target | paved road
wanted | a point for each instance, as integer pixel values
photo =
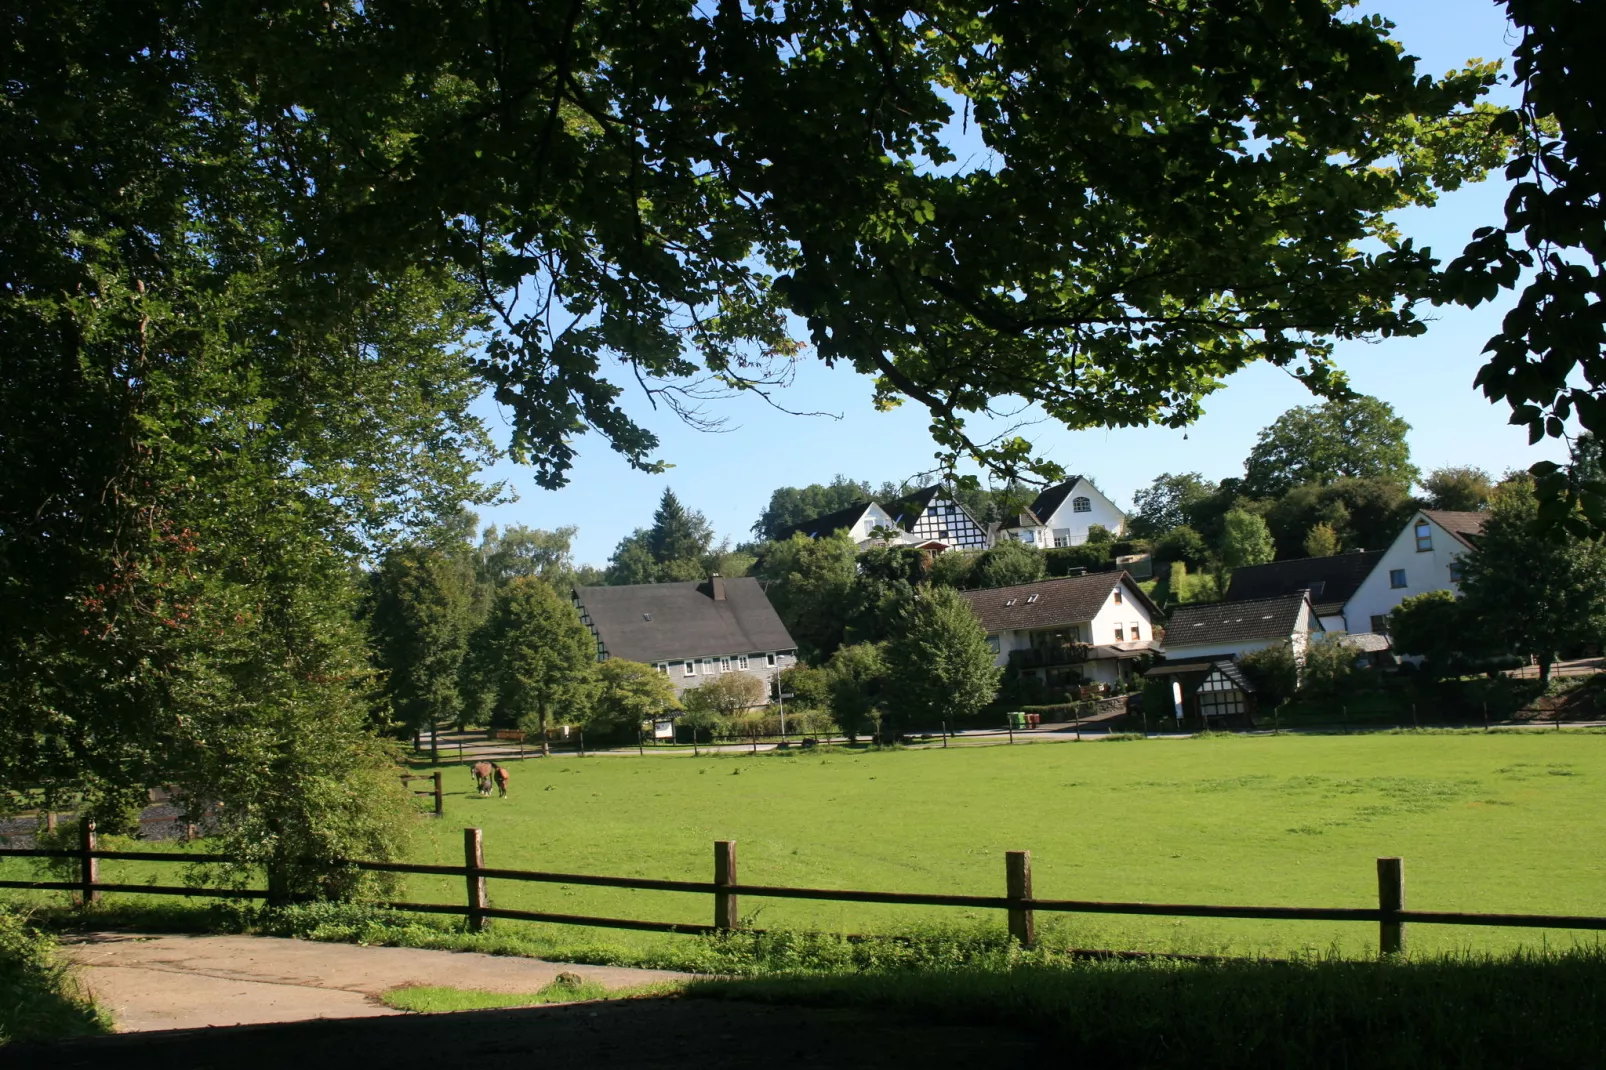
(151, 982)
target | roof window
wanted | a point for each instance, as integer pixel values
(1011, 602)
(1030, 599)
(646, 616)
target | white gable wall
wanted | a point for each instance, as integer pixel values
(1129, 611)
(873, 517)
(1067, 527)
(1425, 570)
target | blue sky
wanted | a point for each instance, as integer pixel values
(729, 475)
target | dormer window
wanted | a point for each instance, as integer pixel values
(1081, 505)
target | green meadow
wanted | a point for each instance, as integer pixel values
(1503, 822)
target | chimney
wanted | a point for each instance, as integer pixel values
(716, 584)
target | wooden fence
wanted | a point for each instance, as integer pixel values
(1019, 904)
(435, 791)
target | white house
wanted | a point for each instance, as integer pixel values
(1200, 632)
(1425, 557)
(1331, 581)
(1090, 627)
(1062, 515)
(930, 517)
(933, 515)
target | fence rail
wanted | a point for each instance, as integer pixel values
(1021, 907)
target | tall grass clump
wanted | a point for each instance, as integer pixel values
(39, 1000)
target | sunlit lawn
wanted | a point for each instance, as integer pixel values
(1504, 822)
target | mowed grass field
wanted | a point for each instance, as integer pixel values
(1485, 822)
(1500, 823)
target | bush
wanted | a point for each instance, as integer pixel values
(1181, 544)
(1329, 669)
(1274, 673)
(39, 1000)
(1007, 564)
(1063, 560)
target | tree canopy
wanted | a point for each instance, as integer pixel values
(790, 506)
(1358, 437)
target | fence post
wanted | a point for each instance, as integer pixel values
(88, 864)
(440, 797)
(474, 859)
(1390, 901)
(725, 908)
(945, 736)
(1018, 887)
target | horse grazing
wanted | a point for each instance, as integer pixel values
(482, 776)
(501, 778)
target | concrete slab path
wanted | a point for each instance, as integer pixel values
(154, 982)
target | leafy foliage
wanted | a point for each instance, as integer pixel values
(421, 620)
(1433, 626)
(1167, 503)
(1181, 544)
(628, 693)
(811, 581)
(1546, 360)
(1359, 437)
(725, 696)
(1246, 540)
(856, 677)
(1322, 541)
(540, 658)
(1275, 673)
(939, 666)
(1008, 563)
(1365, 514)
(1532, 594)
(1463, 489)
(790, 506)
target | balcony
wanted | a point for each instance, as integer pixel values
(1041, 657)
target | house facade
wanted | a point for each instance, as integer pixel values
(1090, 628)
(930, 517)
(1331, 581)
(1232, 629)
(1426, 556)
(690, 632)
(934, 517)
(1063, 514)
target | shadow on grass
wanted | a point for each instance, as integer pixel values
(1473, 1011)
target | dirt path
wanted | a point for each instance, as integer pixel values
(187, 982)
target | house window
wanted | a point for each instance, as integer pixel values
(1026, 536)
(942, 533)
(1380, 623)
(769, 659)
(1456, 574)
(691, 667)
(1317, 587)
(1424, 537)
(724, 664)
(663, 667)
(742, 662)
(1081, 505)
(1062, 536)
(992, 643)
(1118, 596)
(1134, 630)
(1396, 578)
(708, 666)
(1120, 633)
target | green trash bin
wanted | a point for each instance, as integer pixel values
(1017, 719)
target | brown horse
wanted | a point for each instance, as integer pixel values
(482, 776)
(501, 778)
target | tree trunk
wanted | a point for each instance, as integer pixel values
(546, 748)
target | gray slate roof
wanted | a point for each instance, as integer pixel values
(686, 621)
(1067, 600)
(1339, 577)
(1463, 525)
(1235, 622)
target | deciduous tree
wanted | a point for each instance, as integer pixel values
(1008, 563)
(790, 506)
(422, 616)
(539, 657)
(1168, 503)
(1245, 540)
(1464, 489)
(1532, 593)
(939, 665)
(628, 693)
(1359, 437)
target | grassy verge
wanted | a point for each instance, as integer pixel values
(568, 988)
(39, 1000)
(1520, 1009)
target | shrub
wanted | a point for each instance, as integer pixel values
(38, 998)
(1274, 673)
(1181, 544)
(1063, 560)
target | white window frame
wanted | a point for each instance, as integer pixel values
(663, 667)
(1135, 632)
(691, 667)
(1120, 633)
(708, 666)
(769, 661)
(742, 662)
(1400, 574)
(724, 664)
(1424, 537)
(1081, 505)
